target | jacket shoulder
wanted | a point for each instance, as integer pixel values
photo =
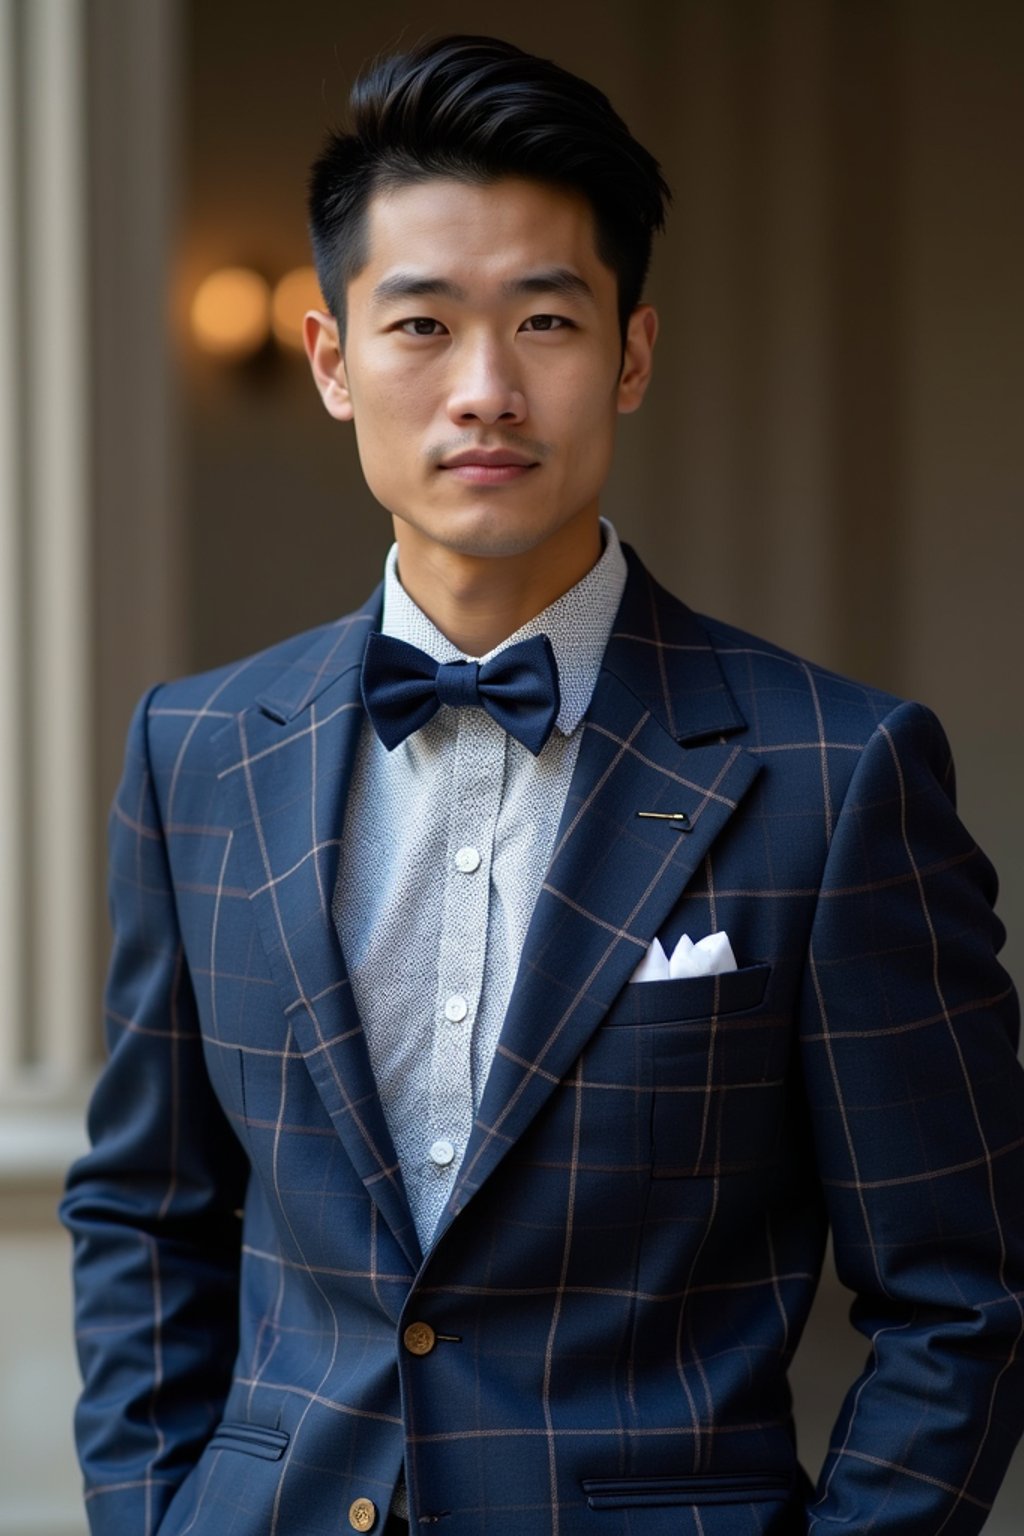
(774, 688)
(184, 713)
(703, 676)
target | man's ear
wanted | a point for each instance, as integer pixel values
(323, 348)
(641, 333)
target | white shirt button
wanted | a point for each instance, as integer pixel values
(467, 859)
(442, 1152)
(456, 1008)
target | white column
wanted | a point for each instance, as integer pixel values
(86, 452)
(12, 924)
(59, 674)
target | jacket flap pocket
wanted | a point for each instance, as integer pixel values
(254, 1439)
(650, 1492)
(690, 997)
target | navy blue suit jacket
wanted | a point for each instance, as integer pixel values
(598, 1339)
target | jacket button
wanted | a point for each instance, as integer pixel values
(419, 1338)
(362, 1514)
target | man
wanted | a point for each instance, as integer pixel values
(514, 979)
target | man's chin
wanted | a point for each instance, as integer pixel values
(488, 535)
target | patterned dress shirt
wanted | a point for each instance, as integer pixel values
(444, 847)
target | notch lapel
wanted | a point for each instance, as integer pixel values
(614, 878)
(285, 766)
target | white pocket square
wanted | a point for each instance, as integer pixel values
(708, 957)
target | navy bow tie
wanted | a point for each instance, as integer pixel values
(403, 688)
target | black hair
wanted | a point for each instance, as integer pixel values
(478, 109)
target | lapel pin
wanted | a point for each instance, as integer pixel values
(679, 819)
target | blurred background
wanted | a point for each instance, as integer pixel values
(831, 453)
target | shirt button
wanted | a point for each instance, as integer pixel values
(467, 859)
(419, 1338)
(362, 1514)
(456, 1008)
(442, 1152)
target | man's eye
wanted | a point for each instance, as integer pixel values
(547, 322)
(421, 326)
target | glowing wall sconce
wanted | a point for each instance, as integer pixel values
(234, 311)
(230, 313)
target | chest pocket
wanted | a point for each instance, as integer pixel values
(690, 997)
(718, 1071)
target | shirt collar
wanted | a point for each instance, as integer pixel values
(578, 625)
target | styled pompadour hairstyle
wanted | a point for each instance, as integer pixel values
(478, 109)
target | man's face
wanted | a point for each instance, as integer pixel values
(483, 364)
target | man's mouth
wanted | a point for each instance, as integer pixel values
(488, 466)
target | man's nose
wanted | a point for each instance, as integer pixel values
(486, 386)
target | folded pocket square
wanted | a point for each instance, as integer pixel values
(708, 957)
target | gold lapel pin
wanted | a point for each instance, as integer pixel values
(679, 819)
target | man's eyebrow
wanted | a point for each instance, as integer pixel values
(406, 285)
(409, 285)
(560, 280)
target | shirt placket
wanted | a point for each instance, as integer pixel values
(476, 791)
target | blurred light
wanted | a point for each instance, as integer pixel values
(295, 293)
(231, 313)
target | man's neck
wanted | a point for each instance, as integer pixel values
(477, 601)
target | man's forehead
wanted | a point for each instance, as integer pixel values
(508, 232)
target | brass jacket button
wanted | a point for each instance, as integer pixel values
(362, 1514)
(419, 1338)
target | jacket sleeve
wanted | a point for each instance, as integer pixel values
(909, 1034)
(152, 1207)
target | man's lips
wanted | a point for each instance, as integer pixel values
(482, 466)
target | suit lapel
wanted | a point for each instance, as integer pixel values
(614, 878)
(285, 766)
